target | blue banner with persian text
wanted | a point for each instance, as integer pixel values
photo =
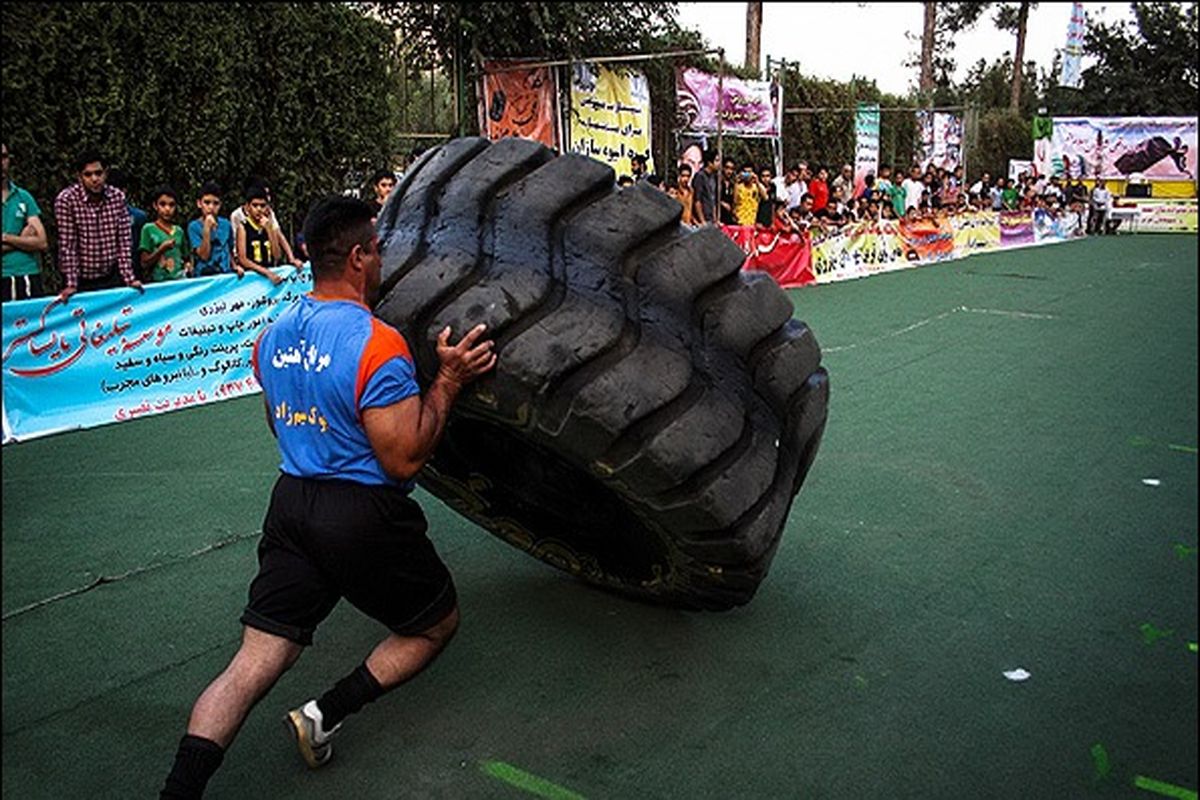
(118, 354)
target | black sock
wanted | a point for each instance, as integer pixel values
(347, 696)
(195, 762)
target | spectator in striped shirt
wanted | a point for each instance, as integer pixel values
(95, 247)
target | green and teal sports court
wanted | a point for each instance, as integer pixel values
(1007, 482)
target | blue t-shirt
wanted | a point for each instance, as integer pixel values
(221, 239)
(320, 364)
(137, 220)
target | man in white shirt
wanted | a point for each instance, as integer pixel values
(1098, 212)
(801, 187)
(982, 186)
(790, 188)
(914, 189)
(843, 185)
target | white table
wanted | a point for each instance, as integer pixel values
(1127, 214)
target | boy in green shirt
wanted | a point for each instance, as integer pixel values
(163, 245)
(896, 193)
(1009, 198)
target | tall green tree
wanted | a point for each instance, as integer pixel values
(1148, 69)
(1011, 17)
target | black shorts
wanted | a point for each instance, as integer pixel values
(326, 539)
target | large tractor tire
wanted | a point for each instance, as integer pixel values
(653, 410)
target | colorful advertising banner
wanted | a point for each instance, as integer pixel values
(747, 108)
(1071, 75)
(976, 231)
(867, 248)
(610, 115)
(787, 257)
(866, 144)
(1016, 228)
(927, 238)
(941, 139)
(518, 102)
(1157, 215)
(857, 251)
(1117, 147)
(119, 354)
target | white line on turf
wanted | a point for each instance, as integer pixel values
(922, 323)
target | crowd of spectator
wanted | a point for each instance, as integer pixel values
(808, 199)
(105, 240)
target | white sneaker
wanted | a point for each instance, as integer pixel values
(311, 737)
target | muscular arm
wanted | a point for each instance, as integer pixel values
(32, 239)
(405, 434)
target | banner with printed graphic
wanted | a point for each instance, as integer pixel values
(518, 102)
(975, 231)
(1159, 148)
(746, 108)
(610, 115)
(1160, 215)
(1016, 228)
(118, 354)
(866, 144)
(787, 257)
(857, 251)
(1071, 74)
(941, 139)
(929, 238)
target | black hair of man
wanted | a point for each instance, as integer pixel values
(654, 179)
(163, 191)
(637, 158)
(710, 155)
(334, 225)
(256, 191)
(89, 156)
(210, 187)
(625, 180)
(380, 174)
(685, 168)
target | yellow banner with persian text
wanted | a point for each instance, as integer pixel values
(610, 115)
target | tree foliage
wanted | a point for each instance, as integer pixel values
(180, 93)
(1149, 70)
(435, 34)
(826, 138)
(538, 30)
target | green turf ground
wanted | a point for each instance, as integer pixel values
(977, 506)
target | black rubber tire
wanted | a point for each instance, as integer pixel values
(654, 409)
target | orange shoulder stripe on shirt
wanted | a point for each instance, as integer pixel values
(385, 343)
(254, 356)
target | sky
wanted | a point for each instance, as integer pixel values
(836, 40)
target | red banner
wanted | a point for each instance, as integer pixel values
(786, 257)
(518, 102)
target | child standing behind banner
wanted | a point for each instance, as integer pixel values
(163, 249)
(255, 243)
(211, 235)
